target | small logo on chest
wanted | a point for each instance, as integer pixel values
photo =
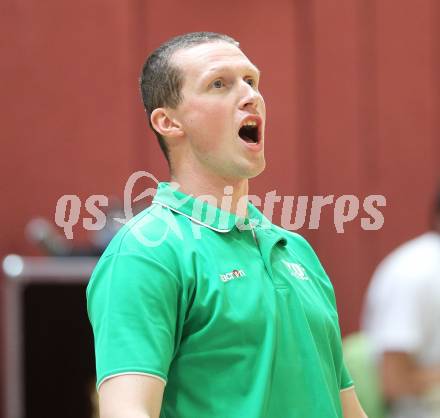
(296, 270)
(234, 274)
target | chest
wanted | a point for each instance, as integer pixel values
(255, 289)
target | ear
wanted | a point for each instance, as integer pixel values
(164, 124)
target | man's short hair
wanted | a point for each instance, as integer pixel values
(161, 81)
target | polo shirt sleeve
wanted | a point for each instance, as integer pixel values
(346, 379)
(136, 308)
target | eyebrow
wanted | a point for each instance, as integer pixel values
(222, 68)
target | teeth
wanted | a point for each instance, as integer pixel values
(250, 123)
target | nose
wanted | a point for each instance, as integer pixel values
(250, 97)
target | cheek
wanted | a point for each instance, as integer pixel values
(207, 125)
(263, 107)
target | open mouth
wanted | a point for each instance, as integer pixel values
(249, 132)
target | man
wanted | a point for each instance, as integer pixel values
(208, 310)
(401, 318)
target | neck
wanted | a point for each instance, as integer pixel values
(230, 194)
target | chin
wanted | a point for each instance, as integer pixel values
(256, 170)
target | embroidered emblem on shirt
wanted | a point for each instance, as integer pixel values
(296, 270)
(234, 274)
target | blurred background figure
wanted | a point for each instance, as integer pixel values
(49, 238)
(402, 322)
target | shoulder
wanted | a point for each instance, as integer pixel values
(412, 261)
(147, 246)
(405, 276)
(154, 228)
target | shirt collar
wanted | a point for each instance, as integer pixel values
(203, 213)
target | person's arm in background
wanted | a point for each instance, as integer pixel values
(131, 396)
(401, 375)
(351, 408)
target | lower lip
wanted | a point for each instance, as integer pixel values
(252, 146)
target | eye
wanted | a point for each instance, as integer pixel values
(218, 84)
(251, 82)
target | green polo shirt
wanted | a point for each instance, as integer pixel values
(236, 315)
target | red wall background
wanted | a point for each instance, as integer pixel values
(352, 90)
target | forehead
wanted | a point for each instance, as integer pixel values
(198, 60)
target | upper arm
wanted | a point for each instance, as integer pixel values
(396, 373)
(351, 407)
(131, 396)
(402, 375)
(136, 309)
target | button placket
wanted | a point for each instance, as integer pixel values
(267, 240)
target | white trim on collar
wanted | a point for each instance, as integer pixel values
(223, 231)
